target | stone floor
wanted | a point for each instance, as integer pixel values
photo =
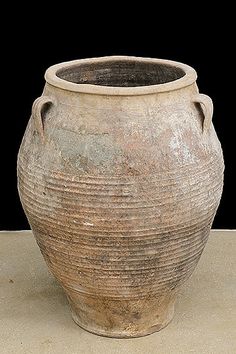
(35, 318)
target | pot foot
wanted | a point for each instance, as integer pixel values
(122, 318)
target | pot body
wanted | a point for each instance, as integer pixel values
(121, 192)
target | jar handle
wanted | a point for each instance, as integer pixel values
(38, 107)
(207, 106)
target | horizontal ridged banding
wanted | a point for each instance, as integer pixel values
(164, 282)
(80, 219)
(120, 271)
(123, 275)
(144, 287)
(130, 233)
(121, 236)
(72, 225)
(179, 173)
(126, 243)
(118, 261)
(88, 191)
(42, 200)
(162, 245)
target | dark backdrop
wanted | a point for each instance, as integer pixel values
(30, 50)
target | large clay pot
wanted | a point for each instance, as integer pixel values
(120, 174)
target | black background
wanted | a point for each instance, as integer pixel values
(38, 40)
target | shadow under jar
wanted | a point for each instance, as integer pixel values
(120, 174)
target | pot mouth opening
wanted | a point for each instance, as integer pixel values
(120, 75)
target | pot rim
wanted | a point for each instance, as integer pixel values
(186, 80)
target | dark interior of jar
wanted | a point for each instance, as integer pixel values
(121, 73)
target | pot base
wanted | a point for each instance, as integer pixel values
(152, 315)
(124, 335)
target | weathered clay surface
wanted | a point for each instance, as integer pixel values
(120, 185)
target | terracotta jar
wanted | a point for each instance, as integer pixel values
(120, 174)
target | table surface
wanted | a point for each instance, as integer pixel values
(35, 317)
